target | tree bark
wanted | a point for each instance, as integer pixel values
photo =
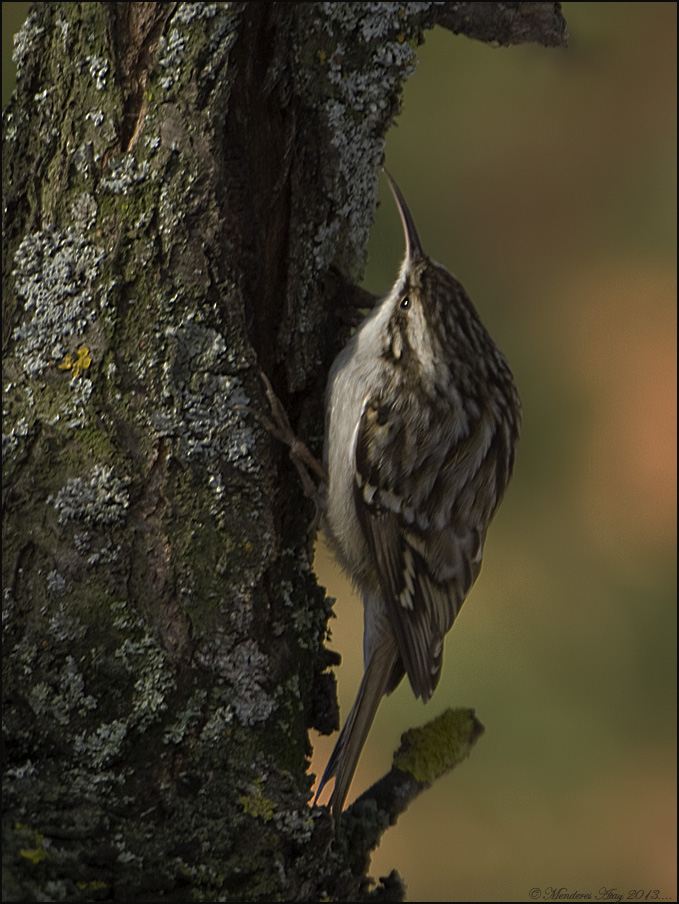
(188, 193)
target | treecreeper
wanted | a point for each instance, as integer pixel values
(422, 422)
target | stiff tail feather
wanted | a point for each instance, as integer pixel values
(344, 759)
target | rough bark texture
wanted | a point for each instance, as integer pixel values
(188, 192)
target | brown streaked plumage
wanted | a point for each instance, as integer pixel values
(422, 421)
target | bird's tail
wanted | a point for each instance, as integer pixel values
(344, 758)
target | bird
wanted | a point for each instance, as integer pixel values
(421, 425)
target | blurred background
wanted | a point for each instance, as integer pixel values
(546, 181)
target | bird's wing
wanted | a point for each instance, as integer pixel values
(426, 534)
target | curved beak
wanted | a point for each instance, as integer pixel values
(413, 248)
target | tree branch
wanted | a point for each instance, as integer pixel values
(505, 23)
(425, 755)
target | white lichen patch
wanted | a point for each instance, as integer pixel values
(99, 499)
(84, 211)
(191, 713)
(365, 56)
(56, 583)
(64, 627)
(246, 669)
(72, 688)
(146, 659)
(125, 173)
(295, 824)
(96, 117)
(101, 746)
(57, 276)
(74, 410)
(63, 26)
(26, 770)
(26, 42)
(221, 21)
(188, 11)
(169, 55)
(204, 407)
(98, 68)
(219, 722)
(61, 699)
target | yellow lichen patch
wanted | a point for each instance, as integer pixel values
(37, 852)
(35, 855)
(255, 804)
(76, 365)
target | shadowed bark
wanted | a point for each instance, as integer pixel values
(188, 192)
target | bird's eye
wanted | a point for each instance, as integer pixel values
(405, 302)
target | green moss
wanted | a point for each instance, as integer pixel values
(432, 750)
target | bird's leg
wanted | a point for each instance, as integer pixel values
(278, 425)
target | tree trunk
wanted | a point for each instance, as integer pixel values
(188, 193)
